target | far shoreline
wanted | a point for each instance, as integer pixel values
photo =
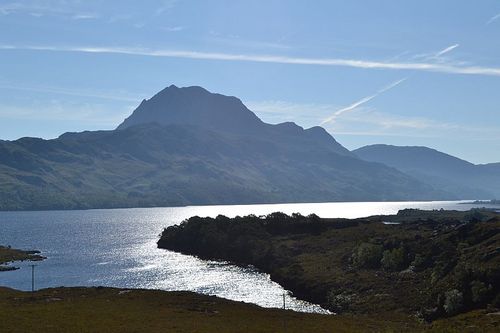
(458, 201)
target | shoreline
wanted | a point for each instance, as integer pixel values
(256, 203)
(9, 256)
(313, 257)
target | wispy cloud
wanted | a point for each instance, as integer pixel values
(439, 57)
(56, 110)
(84, 16)
(446, 50)
(366, 64)
(387, 121)
(361, 102)
(304, 114)
(166, 6)
(66, 9)
(493, 18)
(117, 96)
(365, 121)
(173, 29)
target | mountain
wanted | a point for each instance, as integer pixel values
(187, 146)
(195, 106)
(462, 178)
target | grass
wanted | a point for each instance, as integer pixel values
(117, 310)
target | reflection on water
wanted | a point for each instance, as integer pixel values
(117, 247)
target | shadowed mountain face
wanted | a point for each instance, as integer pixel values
(195, 106)
(452, 174)
(188, 146)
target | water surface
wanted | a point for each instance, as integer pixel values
(117, 247)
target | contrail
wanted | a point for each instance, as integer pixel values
(493, 19)
(446, 50)
(355, 63)
(362, 101)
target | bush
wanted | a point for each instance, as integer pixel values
(367, 255)
(453, 301)
(496, 301)
(480, 292)
(419, 263)
(475, 215)
(339, 303)
(395, 259)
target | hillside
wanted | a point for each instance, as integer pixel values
(431, 264)
(169, 153)
(464, 179)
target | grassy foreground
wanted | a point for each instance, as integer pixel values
(118, 310)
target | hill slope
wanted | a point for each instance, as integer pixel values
(452, 174)
(165, 154)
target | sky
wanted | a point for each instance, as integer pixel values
(413, 73)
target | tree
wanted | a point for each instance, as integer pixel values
(453, 301)
(395, 259)
(367, 255)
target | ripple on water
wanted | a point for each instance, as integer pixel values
(117, 247)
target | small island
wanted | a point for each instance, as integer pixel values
(426, 265)
(8, 254)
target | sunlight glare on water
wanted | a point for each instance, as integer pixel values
(117, 247)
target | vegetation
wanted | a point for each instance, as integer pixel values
(431, 264)
(119, 310)
(8, 254)
(368, 255)
(487, 202)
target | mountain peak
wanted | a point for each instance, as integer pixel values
(195, 106)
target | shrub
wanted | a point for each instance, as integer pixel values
(419, 263)
(367, 255)
(395, 259)
(339, 302)
(496, 301)
(475, 215)
(479, 291)
(453, 301)
(313, 217)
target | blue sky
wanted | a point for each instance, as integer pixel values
(397, 72)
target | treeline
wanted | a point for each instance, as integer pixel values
(433, 264)
(243, 240)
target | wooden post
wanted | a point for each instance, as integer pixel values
(32, 278)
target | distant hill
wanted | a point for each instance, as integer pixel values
(462, 178)
(187, 146)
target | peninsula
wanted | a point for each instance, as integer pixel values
(8, 254)
(428, 264)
